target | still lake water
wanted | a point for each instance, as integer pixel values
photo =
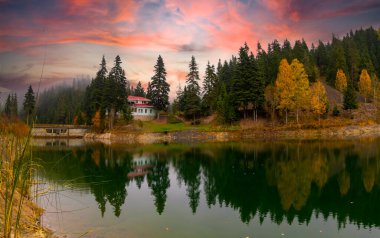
(259, 189)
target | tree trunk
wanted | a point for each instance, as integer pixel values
(112, 117)
(286, 116)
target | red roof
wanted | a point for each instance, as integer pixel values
(143, 105)
(136, 98)
(136, 174)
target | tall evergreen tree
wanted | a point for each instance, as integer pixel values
(225, 109)
(139, 91)
(116, 90)
(192, 103)
(349, 100)
(149, 91)
(95, 95)
(11, 107)
(337, 60)
(247, 88)
(193, 76)
(8, 105)
(209, 89)
(159, 87)
(29, 104)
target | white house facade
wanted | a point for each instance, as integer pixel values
(141, 109)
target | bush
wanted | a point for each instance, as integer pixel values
(336, 111)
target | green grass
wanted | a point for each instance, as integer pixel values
(151, 126)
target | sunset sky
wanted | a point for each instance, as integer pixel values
(72, 35)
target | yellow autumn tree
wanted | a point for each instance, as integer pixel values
(318, 99)
(285, 88)
(302, 87)
(97, 120)
(365, 84)
(341, 81)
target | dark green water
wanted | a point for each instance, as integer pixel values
(260, 189)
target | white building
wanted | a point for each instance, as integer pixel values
(141, 109)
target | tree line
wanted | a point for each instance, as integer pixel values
(273, 83)
(277, 81)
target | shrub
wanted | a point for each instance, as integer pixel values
(336, 111)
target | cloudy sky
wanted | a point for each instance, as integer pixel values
(72, 35)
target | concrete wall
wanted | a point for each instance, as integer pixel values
(58, 132)
(144, 118)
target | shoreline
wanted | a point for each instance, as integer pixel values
(193, 136)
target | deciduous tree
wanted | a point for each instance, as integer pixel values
(302, 89)
(285, 87)
(365, 84)
(341, 81)
(318, 99)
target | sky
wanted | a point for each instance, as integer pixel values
(59, 40)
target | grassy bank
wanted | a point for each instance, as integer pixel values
(18, 214)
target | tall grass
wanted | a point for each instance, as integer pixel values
(16, 211)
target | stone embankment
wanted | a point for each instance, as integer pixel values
(192, 136)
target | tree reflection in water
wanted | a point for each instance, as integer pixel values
(283, 181)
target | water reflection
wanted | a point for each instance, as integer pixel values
(284, 181)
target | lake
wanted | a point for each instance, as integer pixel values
(251, 189)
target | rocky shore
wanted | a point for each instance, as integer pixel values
(192, 136)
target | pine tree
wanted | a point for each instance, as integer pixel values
(149, 91)
(246, 86)
(29, 104)
(302, 90)
(318, 99)
(159, 87)
(139, 91)
(337, 60)
(193, 76)
(274, 58)
(192, 103)
(127, 113)
(226, 112)
(350, 101)
(365, 84)
(287, 50)
(14, 106)
(8, 106)
(285, 87)
(209, 90)
(95, 96)
(116, 93)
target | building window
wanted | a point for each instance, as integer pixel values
(146, 110)
(150, 111)
(49, 130)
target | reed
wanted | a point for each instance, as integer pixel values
(18, 214)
